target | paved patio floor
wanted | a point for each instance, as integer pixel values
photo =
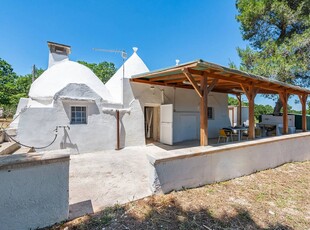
(104, 178)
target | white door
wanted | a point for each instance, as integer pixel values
(166, 124)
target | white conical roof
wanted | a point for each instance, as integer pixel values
(133, 65)
(60, 75)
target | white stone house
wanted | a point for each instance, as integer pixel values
(70, 97)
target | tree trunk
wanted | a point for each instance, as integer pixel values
(278, 107)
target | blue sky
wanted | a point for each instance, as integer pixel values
(162, 30)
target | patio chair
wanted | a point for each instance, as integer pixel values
(245, 134)
(231, 133)
(223, 135)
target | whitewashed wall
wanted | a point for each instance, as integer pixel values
(34, 191)
(36, 125)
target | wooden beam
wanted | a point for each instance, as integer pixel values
(250, 91)
(169, 77)
(271, 87)
(211, 86)
(138, 80)
(303, 100)
(170, 71)
(239, 109)
(192, 81)
(175, 80)
(246, 81)
(204, 112)
(284, 98)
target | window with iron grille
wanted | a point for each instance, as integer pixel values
(78, 115)
(210, 113)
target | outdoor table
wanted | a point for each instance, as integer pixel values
(239, 131)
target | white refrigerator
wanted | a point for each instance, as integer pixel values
(166, 124)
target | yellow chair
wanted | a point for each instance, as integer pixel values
(222, 135)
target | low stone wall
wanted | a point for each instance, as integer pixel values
(204, 165)
(34, 190)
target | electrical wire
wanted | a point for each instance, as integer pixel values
(28, 146)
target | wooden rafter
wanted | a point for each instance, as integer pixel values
(192, 81)
(212, 85)
(162, 78)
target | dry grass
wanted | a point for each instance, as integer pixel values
(271, 199)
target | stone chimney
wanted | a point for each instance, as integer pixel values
(58, 52)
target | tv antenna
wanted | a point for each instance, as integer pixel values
(124, 57)
(122, 52)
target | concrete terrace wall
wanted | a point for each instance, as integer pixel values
(34, 190)
(205, 165)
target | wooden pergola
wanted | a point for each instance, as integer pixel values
(205, 77)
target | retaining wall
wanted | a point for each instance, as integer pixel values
(198, 166)
(34, 190)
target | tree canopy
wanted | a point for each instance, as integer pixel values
(279, 36)
(7, 80)
(103, 70)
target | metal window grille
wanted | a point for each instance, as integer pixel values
(210, 113)
(78, 115)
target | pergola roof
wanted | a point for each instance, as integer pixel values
(222, 79)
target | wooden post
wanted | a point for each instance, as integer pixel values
(239, 109)
(202, 92)
(117, 131)
(204, 112)
(303, 101)
(284, 97)
(250, 92)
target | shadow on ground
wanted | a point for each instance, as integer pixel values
(166, 214)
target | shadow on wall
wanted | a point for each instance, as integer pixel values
(67, 143)
(166, 213)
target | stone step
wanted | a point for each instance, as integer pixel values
(7, 148)
(10, 131)
(23, 149)
(2, 136)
